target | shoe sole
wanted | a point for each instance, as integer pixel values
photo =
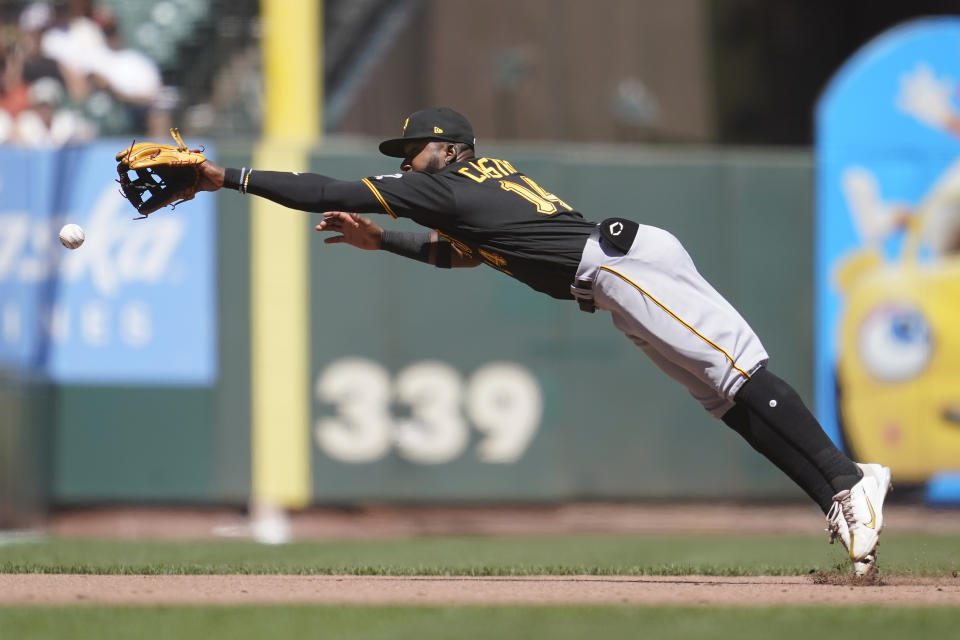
(867, 568)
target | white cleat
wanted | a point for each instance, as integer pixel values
(837, 528)
(862, 509)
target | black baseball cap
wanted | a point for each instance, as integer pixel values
(435, 123)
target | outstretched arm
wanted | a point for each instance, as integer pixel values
(313, 192)
(302, 191)
(362, 232)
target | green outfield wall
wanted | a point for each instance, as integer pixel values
(464, 385)
(26, 416)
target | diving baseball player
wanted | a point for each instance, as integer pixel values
(485, 210)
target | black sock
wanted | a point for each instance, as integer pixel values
(780, 407)
(765, 440)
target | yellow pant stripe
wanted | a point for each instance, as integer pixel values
(677, 318)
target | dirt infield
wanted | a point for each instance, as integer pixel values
(386, 521)
(632, 590)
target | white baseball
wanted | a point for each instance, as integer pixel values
(71, 236)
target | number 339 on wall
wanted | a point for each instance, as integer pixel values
(502, 400)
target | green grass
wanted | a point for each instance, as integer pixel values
(469, 622)
(719, 555)
(724, 555)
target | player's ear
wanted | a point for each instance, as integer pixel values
(450, 153)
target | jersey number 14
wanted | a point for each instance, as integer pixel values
(545, 202)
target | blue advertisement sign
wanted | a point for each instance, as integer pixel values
(135, 304)
(888, 254)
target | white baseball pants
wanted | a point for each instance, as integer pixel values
(660, 301)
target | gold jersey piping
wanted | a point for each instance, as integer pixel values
(379, 196)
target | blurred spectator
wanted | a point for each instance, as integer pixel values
(6, 126)
(26, 63)
(117, 89)
(124, 78)
(49, 122)
(34, 20)
(4, 116)
(74, 40)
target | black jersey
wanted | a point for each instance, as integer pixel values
(491, 211)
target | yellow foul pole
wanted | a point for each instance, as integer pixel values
(280, 349)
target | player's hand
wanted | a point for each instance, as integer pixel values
(210, 176)
(354, 229)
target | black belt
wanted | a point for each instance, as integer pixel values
(582, 291)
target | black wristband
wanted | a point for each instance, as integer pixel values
(444, 254)
(407, 244)
(231, 178)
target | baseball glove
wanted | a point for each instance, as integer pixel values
(154, 175)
